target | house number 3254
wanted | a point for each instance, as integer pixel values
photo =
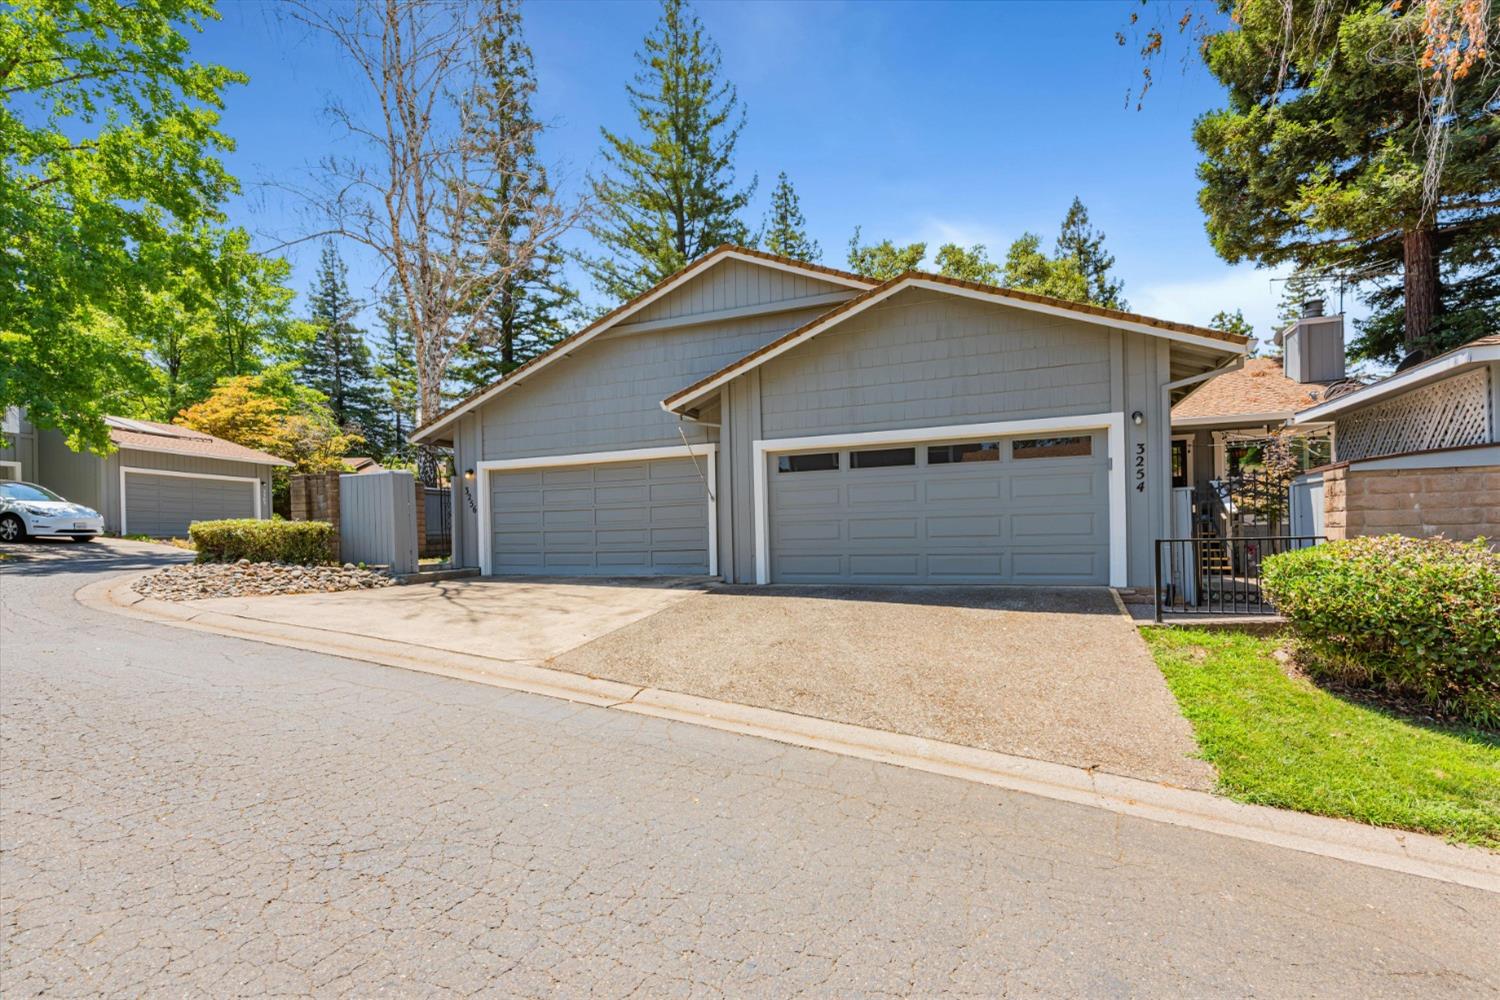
(1140, 467)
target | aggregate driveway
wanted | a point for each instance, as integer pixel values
(191, 815)
(1053, 674)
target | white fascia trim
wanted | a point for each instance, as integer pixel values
(1396, 383)
(184, 475)
(684, 276)
(708, 450)
(675, 405)
(1232, 418)
(1448, 459)
(1113, 423)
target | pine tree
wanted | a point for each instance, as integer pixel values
(534, 304)
(337, 362)
(396, 372)
(785, 230)
(1079, 242)
(669, 196)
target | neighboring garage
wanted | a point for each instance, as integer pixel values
(647, 516)
(161, 477)
(163, 504)
(1018, 510)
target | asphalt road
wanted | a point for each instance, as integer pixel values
(182, 814)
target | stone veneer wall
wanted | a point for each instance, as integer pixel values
(1458, 503)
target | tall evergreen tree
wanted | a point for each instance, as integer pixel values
(396, 373)
(1081, 243)
(785, 230)
(533, 304)
(670, 195)
(1359, 140)
(337, 362)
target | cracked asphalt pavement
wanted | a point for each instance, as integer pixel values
(190, 815)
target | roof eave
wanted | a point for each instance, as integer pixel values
(684, 399)
(1412, 378)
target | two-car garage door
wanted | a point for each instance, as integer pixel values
(1008, 510)
(164, 505)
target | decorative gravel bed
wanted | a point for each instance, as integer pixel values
(247, 579)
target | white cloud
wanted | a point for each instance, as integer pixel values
(936, 231)
(1253, 291)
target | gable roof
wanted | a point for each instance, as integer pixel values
(1200, 336)
(1481, 350)
(172, 439)
(1260, 389)
(617, 315)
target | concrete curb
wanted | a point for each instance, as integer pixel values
(1393, 850)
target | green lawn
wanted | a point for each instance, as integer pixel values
(1281, 741)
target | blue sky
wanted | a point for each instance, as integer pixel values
(969, 122)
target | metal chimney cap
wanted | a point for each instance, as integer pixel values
(1312, 307)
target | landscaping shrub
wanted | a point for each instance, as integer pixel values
(309, 543)
(1415, 617)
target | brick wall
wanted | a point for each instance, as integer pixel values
(1458, 503)
(315, 497)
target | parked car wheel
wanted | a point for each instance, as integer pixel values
(12, 528)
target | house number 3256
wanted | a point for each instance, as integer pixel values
(1140, 467)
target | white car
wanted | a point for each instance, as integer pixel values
(27, 509)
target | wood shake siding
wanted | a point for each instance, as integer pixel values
(608, 397)
(735, 284)
(925, 358)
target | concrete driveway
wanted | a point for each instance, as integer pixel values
(519, 621)
(1055, 674)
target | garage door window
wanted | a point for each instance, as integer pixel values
(1052, 447)
(883, 458)
(821, 461)
(976, 451)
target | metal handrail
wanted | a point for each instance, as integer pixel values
(1217, 576)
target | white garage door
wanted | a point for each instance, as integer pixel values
(164, 506)
(644, 518)
(1009, 510)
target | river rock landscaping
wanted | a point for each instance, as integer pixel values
(251, 579)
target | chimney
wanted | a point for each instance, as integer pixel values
(1313, 347)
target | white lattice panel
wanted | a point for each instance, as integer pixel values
(1447, 414)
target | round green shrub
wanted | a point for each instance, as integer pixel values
(307, 543)
(1416, 617)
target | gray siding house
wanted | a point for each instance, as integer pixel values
(767, 420)
(159, 479)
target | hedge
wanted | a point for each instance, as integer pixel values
(1415, 617)
(309, 543)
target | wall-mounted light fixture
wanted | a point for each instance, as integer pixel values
(1138, 418)
(469, 474)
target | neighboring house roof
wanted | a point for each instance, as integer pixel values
(621, 312)
(1260, 389)
(1198, 335)
(362, 464)
(1482, 350)
(170, 439)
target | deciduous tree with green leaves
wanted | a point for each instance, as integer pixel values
(884, 260)
(785, 230)
(109, 144)
(669, 193)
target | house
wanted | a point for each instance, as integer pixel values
(160, 478)
(768, 420)
(1417, 453)
(1219, 430)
